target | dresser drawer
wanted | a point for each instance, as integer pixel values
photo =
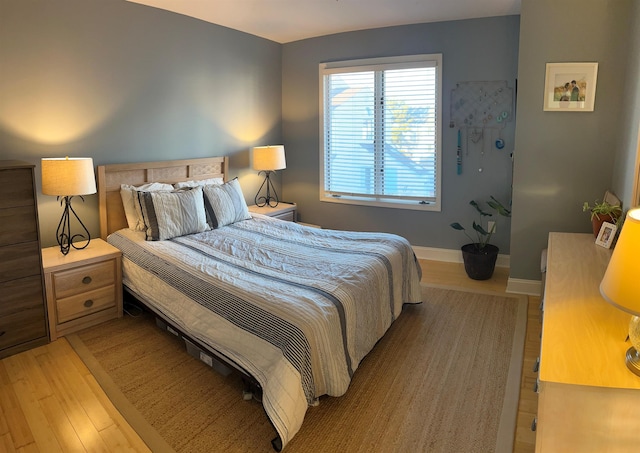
(86, 303)
(18, 225)
(84, 279)
(22, 316)
(19, 260)
(17, 187)
(20, 294)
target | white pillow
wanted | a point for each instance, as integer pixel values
(129, 196)
(225, 204)
(202, 182)
(170, 214)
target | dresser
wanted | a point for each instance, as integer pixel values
(83, 288)
(588, 400)
(23, 322)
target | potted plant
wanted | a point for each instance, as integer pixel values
(480, 256)
(602, 212)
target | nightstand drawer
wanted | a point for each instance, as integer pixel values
(86, 303)
(283, 211)
(83, 279)
(289, 216)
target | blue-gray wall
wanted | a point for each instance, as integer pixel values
(628, 156)
(563, 159)
(121, 82)
(472, 50)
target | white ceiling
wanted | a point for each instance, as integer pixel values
(291, 20)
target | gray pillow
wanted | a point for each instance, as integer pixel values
(171, 214)
(225, 204)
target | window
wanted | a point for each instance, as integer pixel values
(380, 124)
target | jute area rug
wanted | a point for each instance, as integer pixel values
(445, 378)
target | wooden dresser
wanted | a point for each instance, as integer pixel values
(588, 400)
(23, 322)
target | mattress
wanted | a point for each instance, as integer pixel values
(296, 307)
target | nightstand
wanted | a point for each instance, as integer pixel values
(284, 211)
(84, 287)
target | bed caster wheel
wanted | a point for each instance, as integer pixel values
(277, 444)
(247, 396)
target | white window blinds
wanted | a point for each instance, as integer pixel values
(380, 132)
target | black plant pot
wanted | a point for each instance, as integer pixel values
(479, 265)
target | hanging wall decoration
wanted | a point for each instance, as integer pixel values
(481, 110)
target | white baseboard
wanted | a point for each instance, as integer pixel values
(521, 286)
(514, 285)
(451, 256)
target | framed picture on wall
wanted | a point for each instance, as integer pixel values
(570, 87)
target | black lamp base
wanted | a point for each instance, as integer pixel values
(267, 200)
(63, 232)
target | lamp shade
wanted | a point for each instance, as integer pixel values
(269, 158)
(68, 176)
(621, 283)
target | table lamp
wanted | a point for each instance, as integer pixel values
(65, 178)
(267, 159)
(621, 283)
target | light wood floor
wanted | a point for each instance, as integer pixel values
(50, 402)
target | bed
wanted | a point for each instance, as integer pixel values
(293, 308)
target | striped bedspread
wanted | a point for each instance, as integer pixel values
(296, 307)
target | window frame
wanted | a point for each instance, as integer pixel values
(423, 60)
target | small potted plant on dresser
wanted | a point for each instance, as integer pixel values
(609, 210)
(480, 256)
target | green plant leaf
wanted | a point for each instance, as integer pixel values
(479, 209)
(479, 229)
(482, 236)
(500, 209)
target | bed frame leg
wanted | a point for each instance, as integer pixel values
(277, 444)
(251, 390)
(247, 395)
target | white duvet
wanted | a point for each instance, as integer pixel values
(296, 307)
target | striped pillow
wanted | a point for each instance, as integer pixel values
(225, 204)
(130, 203)
(171, 214)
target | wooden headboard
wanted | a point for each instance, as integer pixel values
(110, 177)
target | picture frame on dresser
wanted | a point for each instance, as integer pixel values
(606, 235)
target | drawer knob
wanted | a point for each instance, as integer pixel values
(86, 280)
(88, 303)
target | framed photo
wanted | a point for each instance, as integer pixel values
(570, 87)
(606, 235)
